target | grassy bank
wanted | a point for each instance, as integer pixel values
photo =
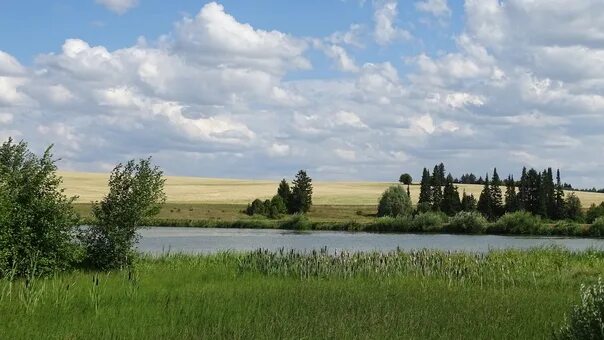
(264, 295)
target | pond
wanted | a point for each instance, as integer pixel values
(158, 240)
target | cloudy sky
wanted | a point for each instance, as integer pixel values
(346, 89)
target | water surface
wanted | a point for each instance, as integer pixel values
(159, 240)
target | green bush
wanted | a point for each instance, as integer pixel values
(296, 222)
(586, 320)
(429, 221)
(597, 228)
(398, 224)
(135, 194)
(37, 221)
(256, 208)
(467, 222)
(520, 222)
(394, 202)
(565, 228)
(594, 212)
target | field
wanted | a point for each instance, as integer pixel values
(191, 198)
(520, 295)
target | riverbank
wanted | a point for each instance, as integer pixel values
(502, 295)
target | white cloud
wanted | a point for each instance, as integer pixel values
(437, 8)
(118, 6)
(386, 30)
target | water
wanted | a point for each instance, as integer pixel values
(159, 240)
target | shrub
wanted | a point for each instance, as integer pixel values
(391, 224)
(135, 194)
(394, 202)
(519, 222)
(565, 228)
(470, 222)
(429, 221)
(597, 228)
(279, 204)
(297, 222)
(586, 320)
(37, 221)
(256, 208)
(594, 212)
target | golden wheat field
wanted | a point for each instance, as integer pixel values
(92, 186)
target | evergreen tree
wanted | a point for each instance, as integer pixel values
(496, 196)
(542, 194)
(437, 193)
(301, 198)
(523, 191)
(511, 198)
(450, 204)
(284, 192)
(559, 210)
(425, 192)
(532, 186)
(441, 174)
(468, 202)
(485, 206)
(549, 190)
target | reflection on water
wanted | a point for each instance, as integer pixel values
(192, 240)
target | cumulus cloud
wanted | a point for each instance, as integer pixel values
(118, 6)
(437, 8)
(386, 31)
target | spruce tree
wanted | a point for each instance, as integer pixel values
(301, 198)
(523, 191)
(425, 192)
(559, 203)
(284, 192)
(450, 204)
(511, 198)
(468, 202)
(437, 193)
(485, 206)
(550, 193)
(496, 196)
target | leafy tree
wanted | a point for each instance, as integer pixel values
(468, 202)
(394, 202)
(256, 208)
(511, 198)
(278, 203)
(37, 220)
(574, 210)
(406, 179)
(451, 204)
(496, 195)
(284, 192)
(301, 198)
(425, 191)
(136, 192)
(594, 212)
(485, 205)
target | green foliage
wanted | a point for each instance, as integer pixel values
(284, 192)
(467, 222)
(511, 198)
(520, 222)
(450, 203)
(597, 228)
(278, 204)
(256, 208)
(425, 192)
(429, 222)
(37, 221)
(301, 198)
(485, 201)
(586, 320)
(594, 212)
(394, 202)
(468, 202)
(574, 211)
(438, 180)
(405, 179)
(496, 195)
(135, 193)
(297, 222)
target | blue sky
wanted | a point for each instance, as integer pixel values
(345, 89)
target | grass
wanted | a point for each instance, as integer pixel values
(194, 190)
(523, 295)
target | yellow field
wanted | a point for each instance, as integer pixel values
(92, 186)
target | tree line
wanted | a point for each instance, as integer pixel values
(537, 192)
(294, 200)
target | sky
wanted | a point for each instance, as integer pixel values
(346, 89)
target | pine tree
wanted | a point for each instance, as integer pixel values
(485, 206)
(511, 199)
(301, 198)
(496, 196)
(437, 193)
(532, 188)
(523, 191)
(550, 193)
(559, 203)
(468, 202)
(284, 192)
(542, 195)
(450, 204)
(425, 192)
